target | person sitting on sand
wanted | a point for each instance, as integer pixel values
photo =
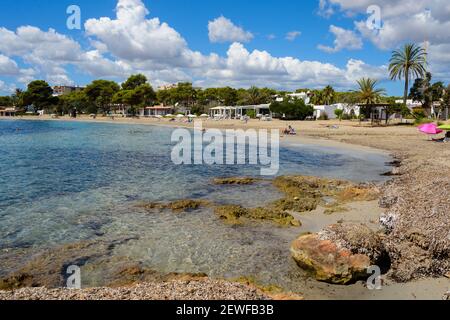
(292, 132)
(445, 139)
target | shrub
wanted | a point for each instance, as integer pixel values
(339, 113)
(293, 110)
(251, 114)
(323, 116)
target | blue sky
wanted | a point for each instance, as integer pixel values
(331, 46)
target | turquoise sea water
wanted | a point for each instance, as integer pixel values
(65, 182)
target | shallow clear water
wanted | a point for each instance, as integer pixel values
(65, 182)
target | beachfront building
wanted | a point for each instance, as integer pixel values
(222, 112)
(259, 110)
(8, 111)
(305, 96)
(156, 111)
(237, 112)
(411, 104)
(63, 90)
(328, 112)
(168, 86)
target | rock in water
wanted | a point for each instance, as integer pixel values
(327, 262)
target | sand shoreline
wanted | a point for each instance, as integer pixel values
(403, 143)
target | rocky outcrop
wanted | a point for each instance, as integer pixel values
(327, 261)
(235, 215)
(359, 239)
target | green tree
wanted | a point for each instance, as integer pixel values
(17, 98)
(184, 94)
(317, 97)
(75, 100)
(134, 81)
(6, 101)
(292, 110)
(101, 93)
(254, 96)
(339, 113)
(227, 96)
(368, 93)
(446, 102)
(419, 88)
(408, 62)
(427, 93)
(39, 94)
(328, 95)
(164, 97)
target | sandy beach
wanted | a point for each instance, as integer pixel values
(414, 207)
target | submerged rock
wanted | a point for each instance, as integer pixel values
(235, 180)
(305, 194)
(237, 214)
(49, 267)
(176, 206)
(328, 262)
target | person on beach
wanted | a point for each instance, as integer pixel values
(290, 131)
(445, 139)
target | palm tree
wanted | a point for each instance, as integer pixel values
(368, 92)
(254, 96)
(408, 62)
(328, 95)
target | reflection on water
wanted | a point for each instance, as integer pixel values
(64, 182)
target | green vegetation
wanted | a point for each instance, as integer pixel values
(100, 94)
(408, 62)
(339, 113)
(39, 94)
(295, 109)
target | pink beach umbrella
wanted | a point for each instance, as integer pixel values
(430, 128)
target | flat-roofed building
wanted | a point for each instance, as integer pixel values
(8, 111)
(63, 90)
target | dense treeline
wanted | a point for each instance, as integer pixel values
(105, 96)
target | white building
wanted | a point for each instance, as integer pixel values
(305, 96)
(64, 90)
(239, 111)
(410, 104)
(350, 110)
(155, 111)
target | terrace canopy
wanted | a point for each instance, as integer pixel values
(7, 112)
(223, 112)
(261, 109)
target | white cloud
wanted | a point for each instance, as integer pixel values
(224, 30)
(8, 67)
(418, 21)
(133, 42)
(403, 20)
(133, 37)
(245, 68)
(292, 35)
(345, 39)
(6, 88)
